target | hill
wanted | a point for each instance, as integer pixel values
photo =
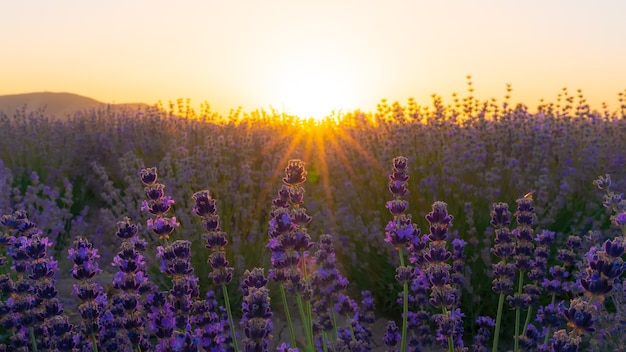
(54, 104)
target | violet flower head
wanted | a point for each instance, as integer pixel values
(84, 257)
(163, 226)
(580, 316)
(401, 232)
(440, 221)
(500, 215)
(222, 274)
(149, 175)
(603, 182)
(620, 219)
(564, 342)
(289, 238)
(206, 208)
(256, 320)
(398, 185)
(295, 173)
(91, 294)
(157, 205)
(126, 230)
(481, 339)
(392, 336)
(132, 281)
(204, 204)
(155, 191)
(614, 248)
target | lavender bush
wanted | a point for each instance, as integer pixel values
(84, 179)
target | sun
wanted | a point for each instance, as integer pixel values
(312, 89)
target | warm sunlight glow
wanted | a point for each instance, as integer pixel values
(313, 86)
(314, 93)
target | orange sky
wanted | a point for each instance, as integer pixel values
(309, 57)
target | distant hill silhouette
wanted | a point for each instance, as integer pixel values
(58, 105)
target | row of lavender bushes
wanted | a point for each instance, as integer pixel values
(69, 177)
(141, 316)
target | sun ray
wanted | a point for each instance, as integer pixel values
(277, 170)
(324, 175)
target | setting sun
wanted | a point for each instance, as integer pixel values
(313, 85)
(313, 93)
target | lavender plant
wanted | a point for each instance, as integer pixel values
(222, 274)
(69, 186)
(289, 243)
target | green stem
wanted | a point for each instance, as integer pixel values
(545, 339)
(496, 334)
(288, 316)
(309, 312)
(94, 342)
(324, 341)
(444, 310)
(405, 307)
(518, 313)
(305, 324)
(32, 339)
(230, 317)
(528, 313)
(334, 318)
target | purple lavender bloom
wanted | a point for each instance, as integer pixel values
(222, 274)
(256, 320)
(149, 176)
(284, 347)
(401, 232)
(549, 316)
(155, 191)
(132, 281)
(485, 325)
(620, 219)
(614, 248)
(126, 230)
(289, 239)
(440, 221)
(163, 227)
(500, 215)
(391, 337)
(92, 295)
(450, 324)
(603, 182)
(294, 173)
(579, 316)
(564, 342)
(204, 204)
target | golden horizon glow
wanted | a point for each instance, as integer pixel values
(310, 58)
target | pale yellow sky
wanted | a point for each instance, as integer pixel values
(308, 57)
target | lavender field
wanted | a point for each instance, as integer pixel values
(463, 225)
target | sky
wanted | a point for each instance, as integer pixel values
(312, 57)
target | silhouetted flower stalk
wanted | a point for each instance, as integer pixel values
(289, 242)
(537, 272)
(206, 208)
(91, 293)
(615, 202)
(256, 320)
(523, 251)
(328, 285)
(445, 294)
(485, 324)
(132, 282)
(400, 233)
(175, 259)
(157, 205)
(34, 288)
(503, 271)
